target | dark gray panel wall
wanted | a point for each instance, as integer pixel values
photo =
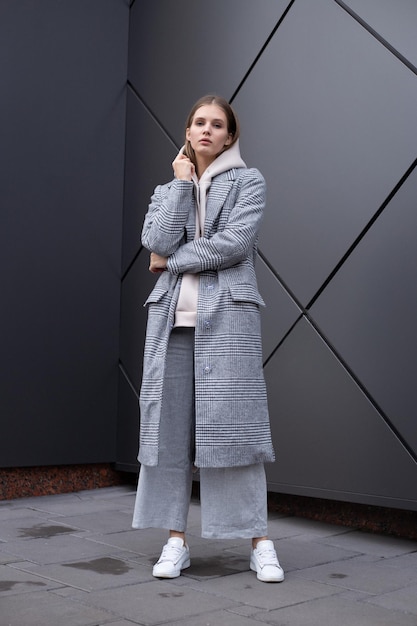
(393, 20)
(329, 142)
(177, 54)
(368, 311)
(326, 92)
(63, 77)
(330, 438)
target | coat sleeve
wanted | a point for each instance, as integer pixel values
(233, 244)
(165, 221)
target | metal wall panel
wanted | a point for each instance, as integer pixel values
(317, 112)
(280, 312)
(63, 77)
(327, 109)
(330, 440)
(149, 153)
(145, 167)
(137, 284)
(128, 435)
(179, 52)
(368, 311)
(394, 20)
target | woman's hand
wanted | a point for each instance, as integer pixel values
(157, 263)
(183, 167)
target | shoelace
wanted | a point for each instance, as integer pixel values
(267, 556)
(170, 553)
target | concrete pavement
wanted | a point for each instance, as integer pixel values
(74, 560)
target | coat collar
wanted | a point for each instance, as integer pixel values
(219, 189)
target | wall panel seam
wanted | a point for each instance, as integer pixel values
(377, 36)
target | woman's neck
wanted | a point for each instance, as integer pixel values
(202, 165)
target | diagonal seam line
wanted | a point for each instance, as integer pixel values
(128, 380)
(280, 280)
(152, 115)
(377, 36)
(364, 390)
(164, 130)
(362, 234)
(258, 56)
(132, 262)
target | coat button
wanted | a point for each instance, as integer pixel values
(207, 324)
(207, 369)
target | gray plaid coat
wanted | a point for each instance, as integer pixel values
(232, 421)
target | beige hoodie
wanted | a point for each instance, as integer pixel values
(186, 311)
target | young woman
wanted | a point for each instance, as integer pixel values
(203, 399)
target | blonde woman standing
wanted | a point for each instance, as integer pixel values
(203, 398)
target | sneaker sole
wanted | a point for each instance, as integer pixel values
(173, 573)
(265, 579)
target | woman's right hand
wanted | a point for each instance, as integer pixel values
(157, 263)
(183, 167)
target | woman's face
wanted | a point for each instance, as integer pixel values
(208, 133)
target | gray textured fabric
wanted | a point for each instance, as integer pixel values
(233, 500)
(232, 420)
(163, 494)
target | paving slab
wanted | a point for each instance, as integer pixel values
(212, 560)
(404, 599)
(48, 609)
(14, 581)
(65, 548)
(74, 560)
(99, 522)
(367, 543)
(74, 505)
(10, 512)
(336, 610)
(283, 527)
(27, 528)
(246, 589)
(5, 559)
(107, 493)
(300, 552)
(119, 623)
(146, 542)
(152, 603)
(216, 618)
(405, 561)
(355, 574)
(103, 572)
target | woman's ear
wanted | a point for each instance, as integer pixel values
(229, 140)
(187, 134)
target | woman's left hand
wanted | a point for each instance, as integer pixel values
(157, 263)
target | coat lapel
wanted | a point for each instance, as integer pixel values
(191, 225)
(219, 188)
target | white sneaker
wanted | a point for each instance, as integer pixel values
(175, 556)
(264, 562)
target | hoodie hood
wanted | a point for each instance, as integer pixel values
(225, 161)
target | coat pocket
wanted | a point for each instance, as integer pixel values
(245, 292)
(156, 294)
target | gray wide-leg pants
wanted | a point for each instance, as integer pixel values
(233, 499)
